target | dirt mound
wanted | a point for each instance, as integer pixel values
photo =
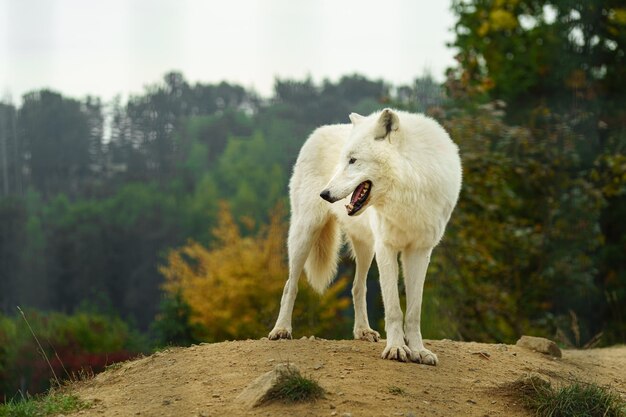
(204, 380)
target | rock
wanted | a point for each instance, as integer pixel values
(255, 393)
(539, 344)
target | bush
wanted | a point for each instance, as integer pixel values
(234, 287)
(82, 343)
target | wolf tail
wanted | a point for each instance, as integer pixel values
(321, 265)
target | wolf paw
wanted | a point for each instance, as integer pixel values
(366, 334)
(397, 353)
(279, 333)
(425, 357)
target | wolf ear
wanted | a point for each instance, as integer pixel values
(388, 121)
(355, 118)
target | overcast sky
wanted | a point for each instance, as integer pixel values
(110, 47)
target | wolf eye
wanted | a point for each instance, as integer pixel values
(352, 161)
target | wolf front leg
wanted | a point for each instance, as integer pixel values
(396, 349)
(415, 263)
(363, 254)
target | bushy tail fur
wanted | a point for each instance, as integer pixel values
(321, 265)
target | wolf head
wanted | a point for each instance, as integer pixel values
(364, 163)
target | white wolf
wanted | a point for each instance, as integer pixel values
(403, 173)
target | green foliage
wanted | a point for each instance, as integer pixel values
(172, 325)
(546, 58)
(60, 141)
(567, 54)
(292, 387)
(578, 399)
(247, 174)
(73, 344)
(47, 405)
(518, 253)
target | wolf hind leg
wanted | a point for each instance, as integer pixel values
(303, 234)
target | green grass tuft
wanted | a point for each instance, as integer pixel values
(578, 399)
(293, 387)
(394, 390)
(40, 406)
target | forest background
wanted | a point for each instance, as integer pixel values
(160, 220)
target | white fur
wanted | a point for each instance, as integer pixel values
(415, 170)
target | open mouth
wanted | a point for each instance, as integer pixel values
(359, 197)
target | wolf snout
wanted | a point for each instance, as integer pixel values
(326, 196)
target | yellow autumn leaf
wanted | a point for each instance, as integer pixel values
(618, 16)
(501, 19)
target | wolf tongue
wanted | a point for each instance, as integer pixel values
(357, 193)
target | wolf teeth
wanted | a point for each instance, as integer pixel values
(349, 206)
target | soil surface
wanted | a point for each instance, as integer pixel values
(204, 380)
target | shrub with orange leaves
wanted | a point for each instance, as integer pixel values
(234, 287)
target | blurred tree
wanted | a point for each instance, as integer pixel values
(11, 155)
(247, 174)
(173, 325)
(34, 289)
(150, 120)
(544, 58)
(423, 95)
(212, 133)
(568, 55)
(110, 248)
(234, 288)
(58, 141)
(519, 251)
(609, 176)
(13, 218)
(154, 117)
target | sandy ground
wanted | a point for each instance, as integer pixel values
(204, 380)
